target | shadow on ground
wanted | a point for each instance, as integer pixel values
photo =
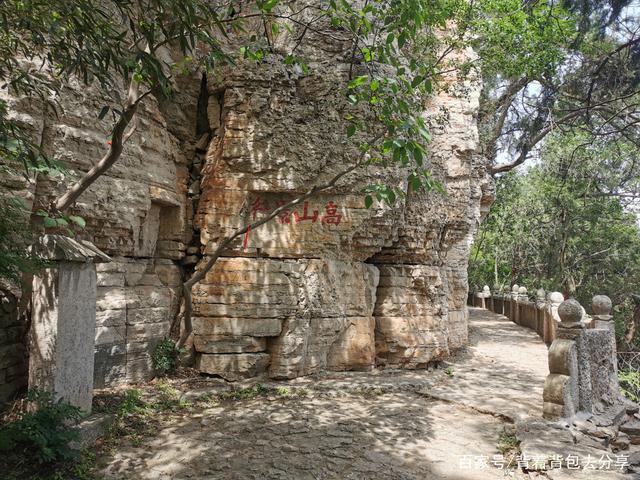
(378, 425)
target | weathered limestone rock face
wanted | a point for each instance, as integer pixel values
(13, 364)
(420, 310)
(328, 285)
(137, 213)
(137, 299)
(307, 314)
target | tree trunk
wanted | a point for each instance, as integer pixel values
(634, 324)
(118, 138)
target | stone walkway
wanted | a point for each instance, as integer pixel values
(378, 425)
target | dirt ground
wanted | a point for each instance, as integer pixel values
(438, 424)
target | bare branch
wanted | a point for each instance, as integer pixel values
(532, 142)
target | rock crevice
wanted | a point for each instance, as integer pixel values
(329, 285)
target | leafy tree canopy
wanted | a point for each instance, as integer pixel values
(565, 224)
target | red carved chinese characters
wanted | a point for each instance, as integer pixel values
(258, 206)
(284, 217)
(332, 217)
(305, 216)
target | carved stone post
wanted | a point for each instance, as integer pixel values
(540, 307)
(488, 299)
(521, 312)
(602, 355)
(561, 395)
(483, 297)
(62, 336)
(551, 316)
(513, 303)
(582, 365)
(601, 307)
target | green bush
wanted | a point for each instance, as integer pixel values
(165, 357)
(45, 433)
(630, 384)
(15, 236)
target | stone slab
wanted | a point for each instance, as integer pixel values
(233, 366)
(229, 343)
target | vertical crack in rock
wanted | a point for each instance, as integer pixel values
(328, 285)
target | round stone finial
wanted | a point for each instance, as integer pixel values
(570, 311)
(486, 289)
(515, 288)
(522, 290)
(556, 297)
(601, 305)
(541, 294)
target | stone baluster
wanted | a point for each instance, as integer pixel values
(521, 311)
(523, 295)
(513, 297)
(561, 395)
(540, 307)
(541, 298)
(555, 300)
(488, 299)
(601, 307)
(482, 297)
(551, 316)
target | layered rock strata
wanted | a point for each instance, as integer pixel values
(330, 284)
(137, 213)
(327, 285)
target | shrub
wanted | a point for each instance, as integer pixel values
(630, 384)
(165, 357)
(45, 433)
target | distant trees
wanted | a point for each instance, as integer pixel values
(567, 223)
(571, 114)
(588, 82)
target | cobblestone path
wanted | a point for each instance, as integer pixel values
(376, 425)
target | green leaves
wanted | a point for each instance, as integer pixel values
(560, 225)
(358, 81)
(267, 5)
(46, 429)
(368, 201)
(395, 45)
(293, 60)
(49, 222)
(514, 41)
(79, 221)
(66, 222)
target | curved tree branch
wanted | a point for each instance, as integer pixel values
(118, 138)
(532, 142)
(228, 240)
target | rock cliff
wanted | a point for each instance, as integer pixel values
(329, 285)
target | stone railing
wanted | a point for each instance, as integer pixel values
(583, 363)
(540, 315)
(583, 373)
